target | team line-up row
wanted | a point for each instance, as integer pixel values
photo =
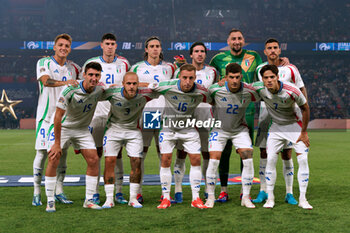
(77, 115)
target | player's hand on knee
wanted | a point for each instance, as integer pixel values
(304, 138)
(55, 152)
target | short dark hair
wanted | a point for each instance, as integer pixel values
(265, 68)
(93, 65)
(196, 44)
(233, 68)
(235, 30)
(145, 55)
(271, 40)
(188, 67)
(108, 36)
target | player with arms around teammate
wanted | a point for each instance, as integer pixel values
(205, 75)
(248, 60)
(53, 74)
(287, 73)
(153, 69)
(287, 129)
(122, 129)
(182, 96)
(114, 68)
(74, 111)
(229, 105)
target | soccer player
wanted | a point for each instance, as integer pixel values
(286, 129)
(230, 103)
(287, 73)
(74, 111)
(205, 75)
(152, 70)
(53, 73)
(122, 129)
(114, 68)
(248, 60)
(182, 96)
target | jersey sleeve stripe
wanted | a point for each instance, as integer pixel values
(292, 74)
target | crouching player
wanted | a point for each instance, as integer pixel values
(229, 105)
(74, 111)
(182, 96)
(286, 129)
(127, 104)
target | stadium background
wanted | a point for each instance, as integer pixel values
(309, 34)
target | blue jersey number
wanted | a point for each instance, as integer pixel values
(182, 107)
(64, 78)
(52, 137)
(233, 108)
(110, 79)
(161, 137)
(212, 136)
(156, 78)
(276, 105)
(199, 81)
(91, 129)
(42, 132)
(127, 111)
(104, 140)
(87, 108)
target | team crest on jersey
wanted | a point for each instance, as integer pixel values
(165, 72)
(247, 62)
(61, 100)
(119, 69)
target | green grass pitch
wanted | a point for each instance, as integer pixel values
(328, 192)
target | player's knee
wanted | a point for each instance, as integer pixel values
(245, 153)
(263, 153)
(286, 154)
(181, 154)
(110, 160)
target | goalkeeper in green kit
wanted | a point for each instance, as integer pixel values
(248, 60)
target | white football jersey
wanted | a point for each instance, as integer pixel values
(230, 107)
(112, 73)
(178, 104)
(125, 114)
(48, 96)
(206, 76)
(288, 73)
(79, 105)
(282, 105)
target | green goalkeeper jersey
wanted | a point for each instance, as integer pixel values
(248, 60)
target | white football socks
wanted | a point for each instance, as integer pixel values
(288, 173)
(38, 168)
(195, 181)
(90, 186)
(303, 175)
(262, 168)
(211, 177)
(165, 181)
(50, 183)
(247, 176)
(179, 173)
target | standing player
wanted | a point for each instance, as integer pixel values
(74, 111)
(53, 73)
(286, 129)
(122, 129)
(182, 96)
(114, 68)
(248, 60)
(152, 70)
(288, 73)
(230, 103)
(205, 75)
